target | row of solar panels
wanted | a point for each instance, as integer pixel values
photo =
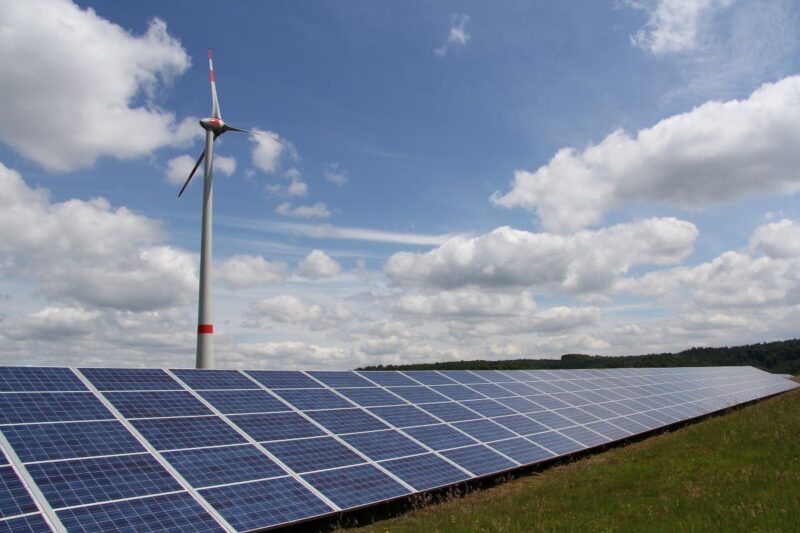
(101, 449)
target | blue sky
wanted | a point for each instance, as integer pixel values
(435, 181)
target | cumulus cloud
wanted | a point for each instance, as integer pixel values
(65, 66)
(243, 271)
(457, 36)
(336, 174)
(587, 261)
(88, 252)
(718, 152)
(53, 323)
(735, 278)
(318, 210)
(318, 265)
(287, 308)
(293, 355)
(178, 168)
(673, 25)
(465, 302)
(268, 147)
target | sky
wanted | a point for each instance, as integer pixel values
(433, 181)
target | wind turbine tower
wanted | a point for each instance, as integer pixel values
(214, 127)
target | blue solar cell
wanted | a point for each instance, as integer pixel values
(379, 445)
(14, 498)
(479, 460)
(518, 388)
(354, 486)
(84, 481)
(226, 464)
(425, 472)
(307, 455)
(243, 401)
(599, 411)
(465, 376)
(661, 416)
(522, 450)
(439, 437)
(214, 379)
(347, 420)
(155, 404)
(371, 396)
(341, 379)
(491, 390)
(458, 392)
(544, 386)
(488, 407)
(27, 407)
(29, 379)
(520, 424)
(34, 523)
(572, 399)
(555, 442)
(193, 432)
(403, 415)
(283, 379)
(523, 405)
(551, 420)
(494, 376)
(591, 397)
(645, 420)
(276, 426)
(417, 394)
(43, 442)
(577, 415)
(304, 399)
(450, 411)
(169, 512)
(568, 385)
(547, 401)
(585, 436)
(251, 506)
(618, 408)
(609, 430)
(388, 378)
(429, 377)
(130, 379)
(484, 430)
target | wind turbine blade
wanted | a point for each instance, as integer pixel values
(228, 127)
(199, 160)
(214, 102)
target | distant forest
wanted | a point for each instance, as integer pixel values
(782, 357)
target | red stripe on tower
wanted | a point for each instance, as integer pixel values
(205, 328)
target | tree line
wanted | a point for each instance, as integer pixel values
(781, 357)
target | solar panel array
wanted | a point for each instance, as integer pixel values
(101, 449)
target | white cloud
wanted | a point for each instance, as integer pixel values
(294, 355)
(267, 150)
(318, 210)
(54, 323)
(673, 25)
(178, 168)
(318, 265)
(457, 36)
(73, 78)
(465, 302)
(88, 252)
(297, 188)
(287, 308)
(336, 174)
(718, 152)
(242, 271)
(587, 261)
(778, 240)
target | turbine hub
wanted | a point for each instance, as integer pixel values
(214, 124)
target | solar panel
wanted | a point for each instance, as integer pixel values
(213, 450)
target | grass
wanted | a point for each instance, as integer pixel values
(736, 472)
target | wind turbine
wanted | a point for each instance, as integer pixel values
(214, 127)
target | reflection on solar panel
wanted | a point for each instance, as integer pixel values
(223, 450)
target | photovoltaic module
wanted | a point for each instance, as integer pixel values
(110, 449)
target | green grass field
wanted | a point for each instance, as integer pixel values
(739, 471)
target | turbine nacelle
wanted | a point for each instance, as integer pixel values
(213, 124)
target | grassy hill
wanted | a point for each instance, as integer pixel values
(782, 357)
(737, 472)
